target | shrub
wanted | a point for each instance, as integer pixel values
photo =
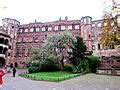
(33, 64)
(48, 65)
(33, 69)
(93, 63)
(68, 67)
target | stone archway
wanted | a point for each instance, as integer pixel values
(2, 62)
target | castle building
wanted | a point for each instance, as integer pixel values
(23, 37)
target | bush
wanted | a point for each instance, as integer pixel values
(68, 67)
(33, 64)
(33, 69)
(48, 65)
(93, 63)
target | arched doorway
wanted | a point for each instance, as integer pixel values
(16, 64)
(2, 62)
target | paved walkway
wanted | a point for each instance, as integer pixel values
(84, 82)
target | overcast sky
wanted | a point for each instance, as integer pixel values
(27, 11)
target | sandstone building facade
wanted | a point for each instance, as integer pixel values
(23, 37)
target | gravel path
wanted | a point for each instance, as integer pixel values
(84, 82)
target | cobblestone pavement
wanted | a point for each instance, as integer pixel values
(84, 82)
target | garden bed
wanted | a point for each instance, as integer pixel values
(51, 76)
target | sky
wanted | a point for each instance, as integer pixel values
(26, 11)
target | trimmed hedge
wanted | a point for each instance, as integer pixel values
(68, 67)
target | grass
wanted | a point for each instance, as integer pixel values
(51, 76)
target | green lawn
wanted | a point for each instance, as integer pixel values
(50, 76)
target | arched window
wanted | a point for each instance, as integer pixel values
(1, 49)
(2, 62)
(1, 40)
(6, 41)
(5, 50)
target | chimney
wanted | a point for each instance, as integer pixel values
(35, 20)
(66, 18)
(60, 19)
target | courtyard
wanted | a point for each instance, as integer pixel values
(83, 82)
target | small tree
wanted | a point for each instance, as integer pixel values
(78, 59)
(58, 43)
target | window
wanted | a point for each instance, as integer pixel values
(93, 47)
(99, 24)
(77, 26)
(70, 27)
(21, 30)
(37, 29)
(62, 27)
(56, 28)
(35, 39)
(89, 36)
(49, 28)
(32, 29)
(93, 25)
(98, 46)
(43, 29)
(26, 30)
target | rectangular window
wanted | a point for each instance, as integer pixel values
(98, 46)
(56, 28)
(26, 30)
(37, 29)
(32, 29)
(77, 27)
(21, 30)
(43, 29)
(49, 28)
(62, 27)
(70, 27)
